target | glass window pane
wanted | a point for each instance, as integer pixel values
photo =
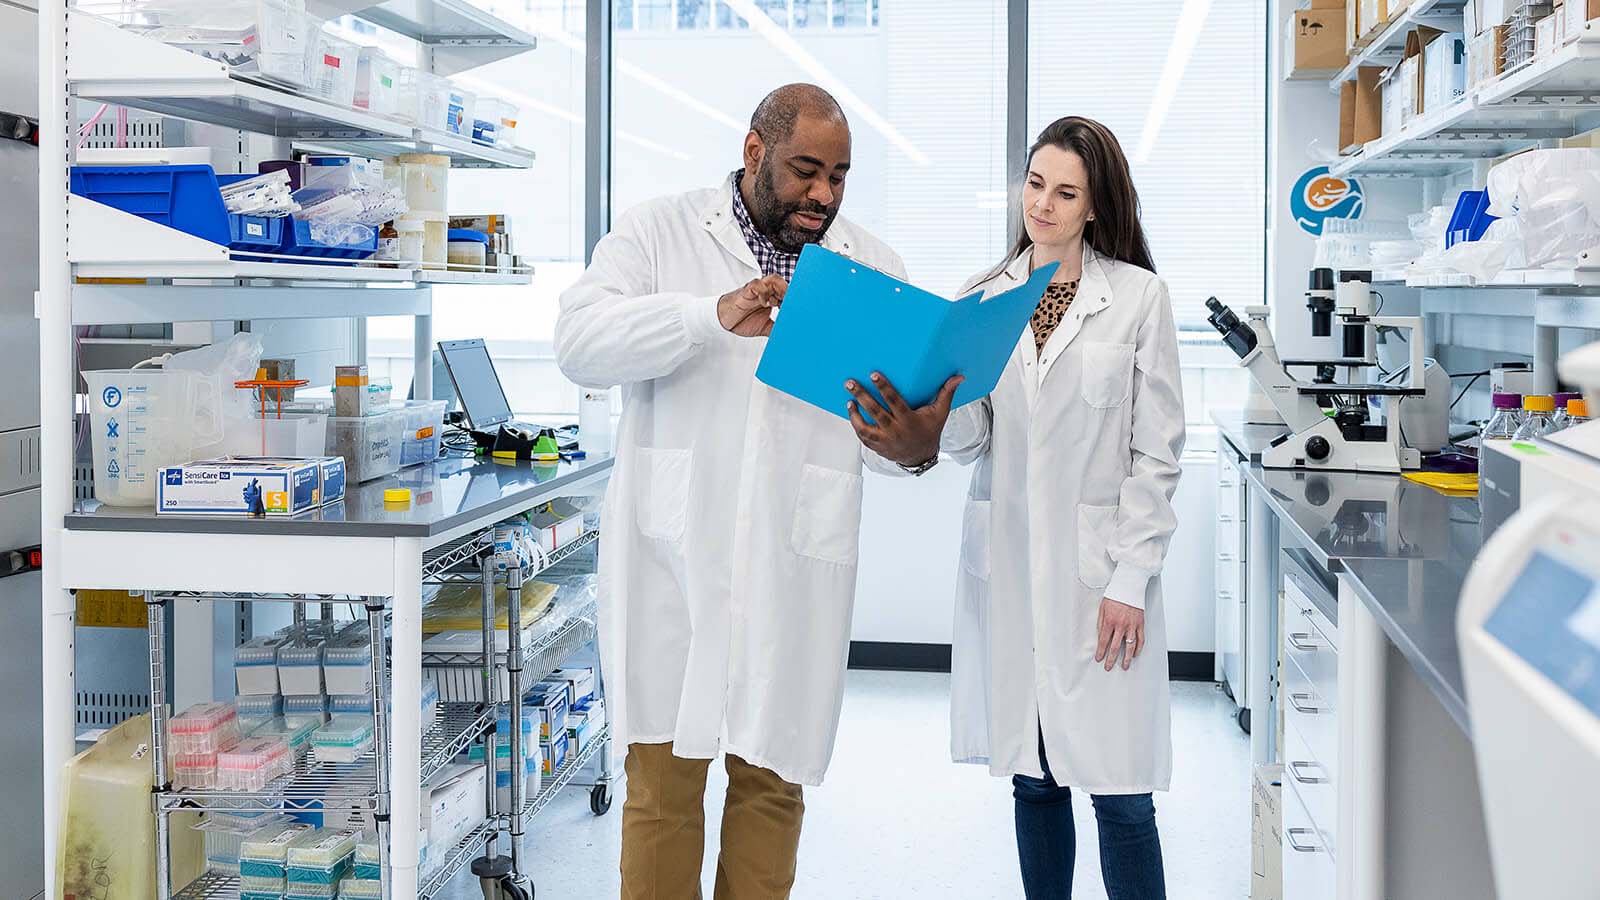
(622, 16)
(855, 13)
(776, 10)
(1181, 85)
(727, 18)
(925, 99)
(654, 15)
(694, 14)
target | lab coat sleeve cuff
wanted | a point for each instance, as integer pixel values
(700, 318)
(1128, 585)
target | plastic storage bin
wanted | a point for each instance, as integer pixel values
(253, 763)
(225, 834)
(297, 241)
(496, 122)
(204, 728)
(259, 706)
(157, 422)
(377, 82)
(368, 865)
(425, 178)
(425, 97)
(347, 662)
(255, 664)
(333, 69)
(467, 248)
(343, 740)
(262, 38)
(421, 434)
(300, 666)
(194, 771)
(361, 704)
(370, 445)
(265, 853)
(355, 888)
(323, 861)
(461, 111)
(186, 198)
(255, 888)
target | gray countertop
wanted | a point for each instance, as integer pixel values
(1404, 547)
(445, 495)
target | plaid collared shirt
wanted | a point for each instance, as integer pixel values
(772, 260)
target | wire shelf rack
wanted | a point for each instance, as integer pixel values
(213, 885)
(459, 552)
(563, 777)
(542, 655)
(436, 878)
(459, 725)
(450, 568)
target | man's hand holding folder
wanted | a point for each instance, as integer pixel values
(897, 432)
(747, 312)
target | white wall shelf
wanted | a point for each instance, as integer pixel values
(1553, 97)
(1387, 48)
(107, 304)
(461, 35)
(451, 276)
(463, 153)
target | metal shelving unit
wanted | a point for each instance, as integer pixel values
(1387, 47)
(364, 553)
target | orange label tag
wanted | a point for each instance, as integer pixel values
(425, 433)
(277, 500)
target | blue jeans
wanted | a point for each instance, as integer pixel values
(1130, 847)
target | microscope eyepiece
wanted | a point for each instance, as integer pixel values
(1319, 299)
(1239, 337)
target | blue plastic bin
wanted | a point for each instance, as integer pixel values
(1470, 219)
(184, 198)
(297, 241)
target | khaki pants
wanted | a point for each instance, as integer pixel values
(664, 829)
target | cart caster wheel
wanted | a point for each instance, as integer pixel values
(1244, 720)
(1227, 689)
(600, 799)
(513, 889)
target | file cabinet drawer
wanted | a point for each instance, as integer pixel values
(1311, 709)
(1313, 780)
(1308, 867)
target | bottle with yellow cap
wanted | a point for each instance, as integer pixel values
(1536, 416)
(1575, 413)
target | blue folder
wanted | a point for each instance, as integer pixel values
(842, 319)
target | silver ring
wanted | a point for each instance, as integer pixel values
(1130, 641)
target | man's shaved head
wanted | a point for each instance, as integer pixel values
(775, 117)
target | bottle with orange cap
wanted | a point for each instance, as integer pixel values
(1576, 412)
(1536, 410)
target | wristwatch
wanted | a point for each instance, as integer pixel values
(922, 469)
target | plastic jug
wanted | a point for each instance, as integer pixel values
(142, 420)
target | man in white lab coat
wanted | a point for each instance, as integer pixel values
(728, 562)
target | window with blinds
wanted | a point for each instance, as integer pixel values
(1180, 82)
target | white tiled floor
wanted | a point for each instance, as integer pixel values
(898, 820)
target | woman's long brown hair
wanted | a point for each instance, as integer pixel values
(1115, 231)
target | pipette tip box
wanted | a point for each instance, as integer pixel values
(324, 861)
(204, 728)
(253, 763)
(265, 853)
(343, 740)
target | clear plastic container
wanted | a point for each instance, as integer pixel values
(466, 248)
(273, 435)
(496, 122)
(265, 853)
(435, 243)
(225, 834)
(425, 97)
(296, 731)
(361, 704)
(258, 888)
(343, 740)
(194, 771)
(253, 763)
(1536, 410)
(255, 664)
(380, 392)
(410, 233)
(265, 38)
(377, 82)
(357, 888)
(332, 69)
(300, 666)
(204, 728)
(425, 177)
(324, 861)
(307, 891)
(312, 706)
(461, 111)
(258, 706)
(370, 445)
(422, 432)
(347, 662)
(368, 864)
(158, 422)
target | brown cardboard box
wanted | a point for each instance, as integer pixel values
(1368, 124)
(1578, 14)
(1347, 118)
(1327, 4)
(1318, 41)
(1352, 26)
(1266, 833)
(1486, 56)
(1416, 42)
(1374, 16)
(1589, 140)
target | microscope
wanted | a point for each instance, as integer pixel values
(1346, 425)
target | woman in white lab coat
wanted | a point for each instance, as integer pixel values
(1060, 665)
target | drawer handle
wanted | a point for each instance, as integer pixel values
(1301, 640)
(1300, 702)
(1296, 767)
(1298, 847)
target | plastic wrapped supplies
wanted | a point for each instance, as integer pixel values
(1554, 195)
(270, 39)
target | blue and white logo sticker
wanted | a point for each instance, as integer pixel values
(1319, 196)
(111, 397)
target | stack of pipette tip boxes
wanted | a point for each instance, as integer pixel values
(365, 881)
(264, 860)
(198, 736)
(316, 867)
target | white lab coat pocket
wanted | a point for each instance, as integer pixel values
(827, 516)
(1107, 374)
(663, 496)
(1095, 524)
(975, 540)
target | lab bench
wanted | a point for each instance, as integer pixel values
(382, 554)
(1349, 609)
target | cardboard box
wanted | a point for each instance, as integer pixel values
(1485, 56)
(1352, 26)
(1589, 140)
(227, 487)
(1266, 833)
(1347, 118)
(1444, 71)
(1578, 14)
(580, 684)
(1318, 44)
(555, 751)
(1368, 124)
(1544, 35)
(452, 805)
(1413, 68)
(330, 472)
(1374, 18)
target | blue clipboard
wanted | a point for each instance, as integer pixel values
(842, 319)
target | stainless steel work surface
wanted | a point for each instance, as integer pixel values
(1250, 440)
(444, 496)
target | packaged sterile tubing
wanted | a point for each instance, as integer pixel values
(350, 391)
